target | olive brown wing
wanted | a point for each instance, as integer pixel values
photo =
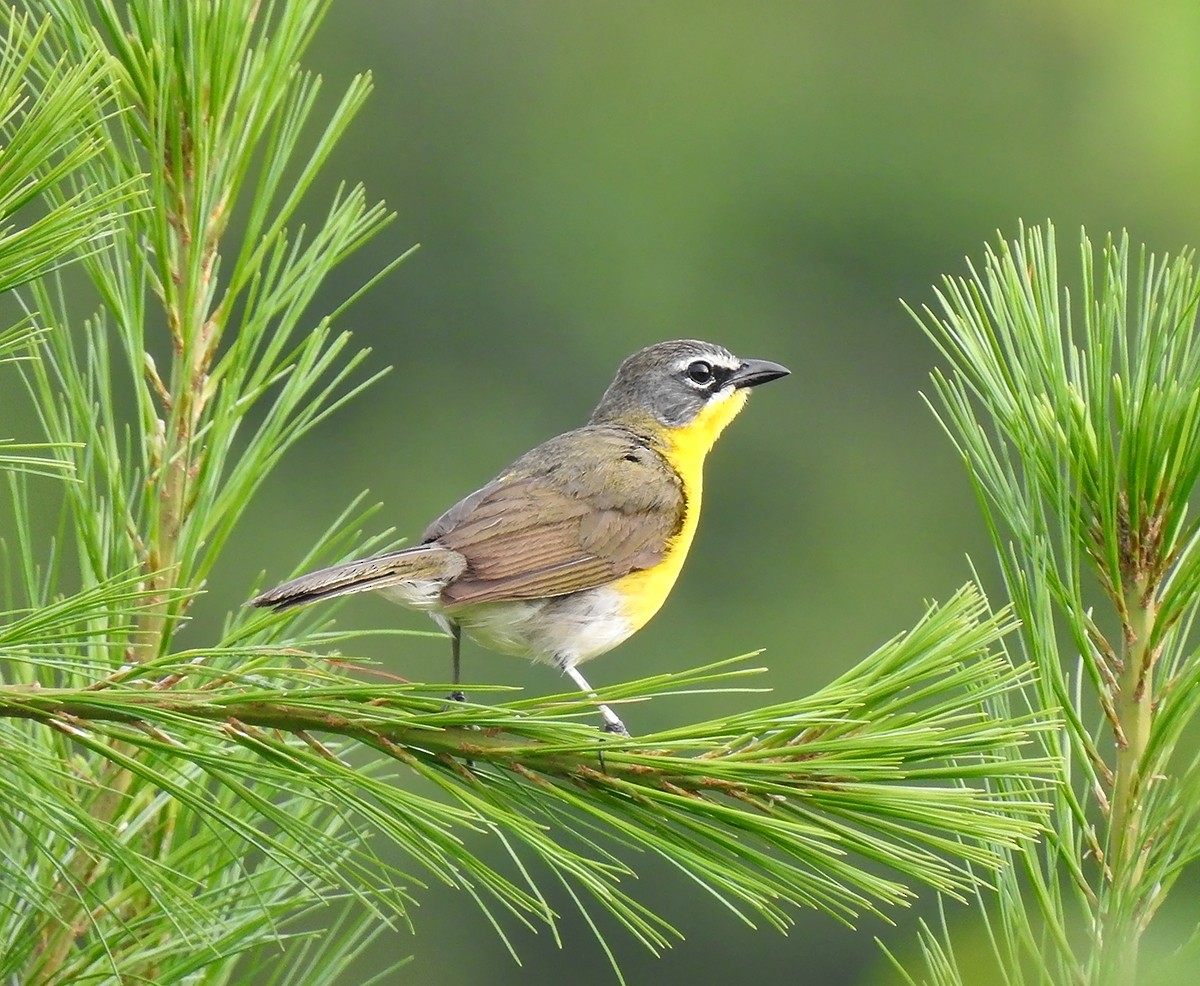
(575, 513)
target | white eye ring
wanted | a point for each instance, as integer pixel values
(700, 372)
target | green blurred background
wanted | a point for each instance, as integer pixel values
(586, 178)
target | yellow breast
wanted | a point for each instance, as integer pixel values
(684, 448)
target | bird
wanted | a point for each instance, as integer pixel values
(578, 543)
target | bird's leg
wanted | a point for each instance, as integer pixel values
(611, 723)
(458, 695)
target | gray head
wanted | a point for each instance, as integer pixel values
(672, 382)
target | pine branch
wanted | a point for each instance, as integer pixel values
(165, 811)
(50, 125)
(1080, 427)
(890, 764)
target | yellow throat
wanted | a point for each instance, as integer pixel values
(684, 448)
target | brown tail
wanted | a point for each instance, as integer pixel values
(416, 575)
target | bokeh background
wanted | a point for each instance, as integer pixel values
(586, 178)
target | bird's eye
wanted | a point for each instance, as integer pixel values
(700, 372)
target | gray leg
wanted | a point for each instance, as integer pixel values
(611, 723)
(455, 650)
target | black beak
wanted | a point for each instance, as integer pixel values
(752, 372)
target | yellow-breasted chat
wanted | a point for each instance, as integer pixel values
(573, 547)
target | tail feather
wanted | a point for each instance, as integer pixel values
(424, 568)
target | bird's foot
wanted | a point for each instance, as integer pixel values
(612, 727)
(457, 696)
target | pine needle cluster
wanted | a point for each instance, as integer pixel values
(165, 810)
(1077, 414)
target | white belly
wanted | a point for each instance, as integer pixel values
(565, 631)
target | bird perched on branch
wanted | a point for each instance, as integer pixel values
(578, 543)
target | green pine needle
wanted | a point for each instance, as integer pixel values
(1077, 413)
(169, 814)
(790, 805)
